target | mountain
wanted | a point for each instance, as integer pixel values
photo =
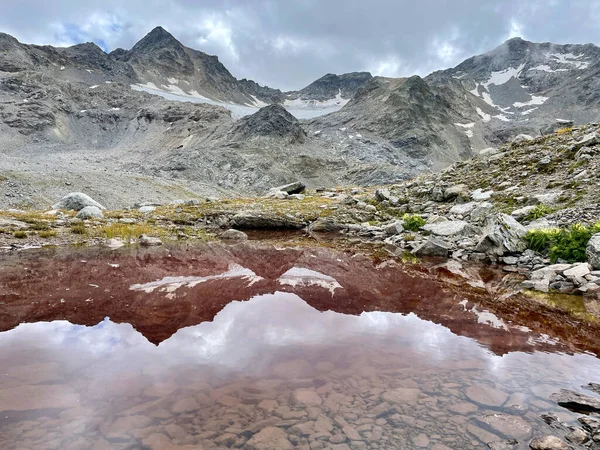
(83, 118)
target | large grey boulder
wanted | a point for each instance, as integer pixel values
(521, 213)
(248, 220)
(433, 246)
(234, 235)
(593, 251)
(458, 190)
(449, 228)
(76, 201)
(502, 234)
(293, 188)
(90, 212)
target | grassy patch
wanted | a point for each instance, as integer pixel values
(127, 231)
(47, 234)
(539, 212)
(20, 234)
(413, 222)
(565, 130)
(78, 229)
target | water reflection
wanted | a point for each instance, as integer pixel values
(272, 362)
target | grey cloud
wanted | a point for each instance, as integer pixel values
(288, 44)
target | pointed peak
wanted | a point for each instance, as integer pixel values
(158, 37)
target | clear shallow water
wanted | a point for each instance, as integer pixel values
(270, 371)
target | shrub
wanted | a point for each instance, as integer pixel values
(539, 212)
(20, 234)
(413, 222)
(567, 244)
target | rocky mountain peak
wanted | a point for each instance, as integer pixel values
(271, 121)
(157, 39)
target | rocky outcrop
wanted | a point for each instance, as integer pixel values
(593, 251)
(76, 201)
(502, 234)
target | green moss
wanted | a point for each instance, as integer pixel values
(20, 234)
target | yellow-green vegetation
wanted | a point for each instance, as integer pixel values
(565, 130)
(20, 234)
(128, 231)
(567, 244)
(47, 234)
(78, 229)
(413, 222)
(539, 212)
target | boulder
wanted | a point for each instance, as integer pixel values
(587, 141)
(480, 213)
(90, 212)
(325, 226)
(449, 228)
(463, 209)
(593, 251)
(147, 241)
(76, 201)
(458, 190)
(489, 151)
(382, 195)
(549, 198)
(480, 195)
(521, 138)
(433, 246)
(270, 438)
(576, 402)
(502, 234)
(296, 187)
(147, 209)
(234, 235)
(548, 443)
(264, 221)
(521, 213)
(393, 228)
(557, 125)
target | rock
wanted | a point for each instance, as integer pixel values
(502, 234)
(577, 436)
(383, 195)
(549, 198)
(552, 128)
(544, 162)
(489, 151)
(458, 190)
(433, 246)
(90, 212)
(147, 209)
(521, 138)
(592, 251)
(480, 195)
(76, 201)
(114, 243)
(393, 228)
(480, 213)
(548, 443)
(147, 241)
(325, 226)
(576, 402)
(521, 213)
(270, 438)
(306, 397)
(264, 221)
(421, 441)
(401, 396)
(486, 395)
(540, 279)
(587, 141)
(463, 209)
(279, 195)
(297, 196)
(502, 445)
(449, 228)
(577, 271)
(234, 235)
(507, 425)
(296, 187)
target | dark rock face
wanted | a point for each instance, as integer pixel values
(576, 402)
(331, 85)
(271, 121)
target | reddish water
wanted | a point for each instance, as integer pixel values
(253, 347)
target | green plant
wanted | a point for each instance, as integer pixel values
(567, 244)
(539, 212)
(413, 222)
(20, 234)
(78, 229)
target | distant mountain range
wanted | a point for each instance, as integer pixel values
(341, 129)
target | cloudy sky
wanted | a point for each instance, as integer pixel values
(289, 43)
